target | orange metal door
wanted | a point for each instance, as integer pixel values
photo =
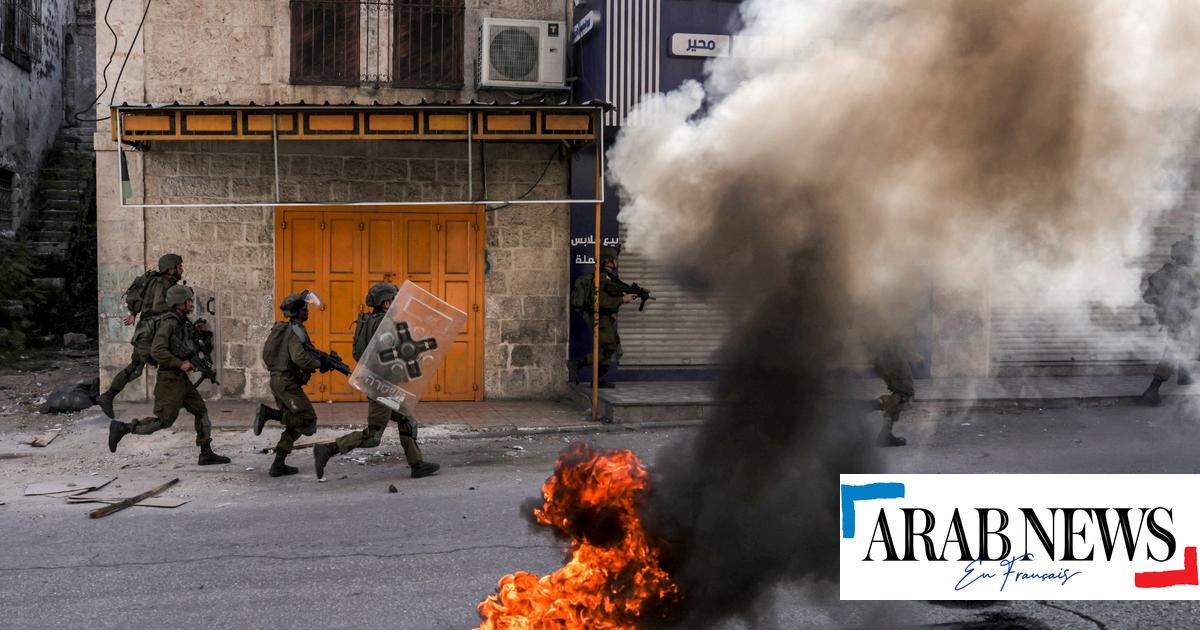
(340, 253)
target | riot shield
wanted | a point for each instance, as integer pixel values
(404, 354)
(205, 308)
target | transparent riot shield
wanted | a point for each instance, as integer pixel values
(404, 354)
(204, 315)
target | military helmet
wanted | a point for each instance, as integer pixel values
(381, 292)
(609, 253)
(293, 304)
(169, 261)
(1184, 250)
(178, 294)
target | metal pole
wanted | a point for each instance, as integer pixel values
(596, 285)
(470, 156)
(275, 150)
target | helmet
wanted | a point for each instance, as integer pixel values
(381, 292)
(169, 261)
(608, 253)
(294, 303)
(1184, 250)
(178, 294)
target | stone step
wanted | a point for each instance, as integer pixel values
(57, 214)
(68, 172)
(49, 248)
(61, 204)
(63, 184)
(66, 194)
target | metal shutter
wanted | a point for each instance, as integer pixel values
(1093, 339)
(680, 328)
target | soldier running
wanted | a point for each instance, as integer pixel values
(146, 299)
(291, 364)
(174, 344)
(611, 299)
(1174, 293)
(379, 299)
(892, 363)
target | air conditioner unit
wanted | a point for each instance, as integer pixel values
(521, 54)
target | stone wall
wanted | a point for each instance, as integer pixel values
(239, 51)
(232, 250)
(31, 110)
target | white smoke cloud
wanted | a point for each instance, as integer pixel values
(1026, 144)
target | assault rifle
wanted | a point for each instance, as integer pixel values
(330, 361)
(633, 289)
(203, 363)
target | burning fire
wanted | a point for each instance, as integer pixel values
(613, 579)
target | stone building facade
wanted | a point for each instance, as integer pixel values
(238, 51)
(40, 91)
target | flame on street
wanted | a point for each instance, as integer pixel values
(613, 579)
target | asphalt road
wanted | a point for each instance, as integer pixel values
(255, 552)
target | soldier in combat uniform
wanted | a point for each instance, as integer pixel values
(174, 344)
(153, 304)
(892, 361)
(611, 298)
(379, 299)
(286, 355)
(1174, 293)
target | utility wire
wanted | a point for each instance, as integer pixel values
(112, 54)
(545, 170)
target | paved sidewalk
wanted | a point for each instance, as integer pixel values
(659, 403)
(502, 416)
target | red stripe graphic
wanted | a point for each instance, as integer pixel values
(1162, 579)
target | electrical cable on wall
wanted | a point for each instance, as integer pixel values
(545, 170)
(111, 55)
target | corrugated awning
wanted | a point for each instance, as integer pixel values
(537, 121)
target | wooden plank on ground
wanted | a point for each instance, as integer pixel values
(157, 502)
(124, 503)
(44, 440)
(73, 485)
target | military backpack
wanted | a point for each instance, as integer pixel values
(583, 293)
(143, 338)
(363, 330)
(135, 295)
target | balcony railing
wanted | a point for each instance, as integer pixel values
(399, 43)
(20, 31)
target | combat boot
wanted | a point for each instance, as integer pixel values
(280, 469)
(1183, 378)
(209, 458)
(116, 431)
(1151, 397)
(424, 469)
(887, 438)
(260, 418)
(105, 401)
(322, 453)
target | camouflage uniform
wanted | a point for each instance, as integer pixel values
(611, 298)
(155, 304)
(174, 344)
(1174, 293)
(291, 367)
(892, 361)
(287, 356)
(378, 414)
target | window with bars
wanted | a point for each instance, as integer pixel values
(20, 31)
(401, 43)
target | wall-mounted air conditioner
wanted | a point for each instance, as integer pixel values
(521, 54)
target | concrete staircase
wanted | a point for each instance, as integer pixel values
(66, 188)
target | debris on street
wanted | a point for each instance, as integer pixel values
(44, 440)
(124, 503)
(76, 485)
